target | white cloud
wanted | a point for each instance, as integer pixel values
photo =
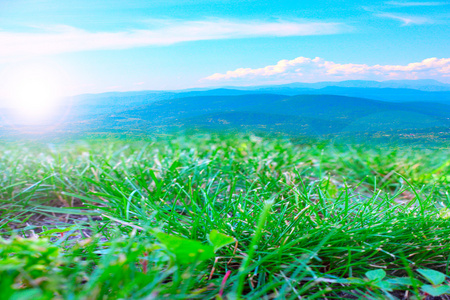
(317, 69)
(412, 4)
(61, 39)
(406, 20)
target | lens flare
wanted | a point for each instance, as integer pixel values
(32, 95)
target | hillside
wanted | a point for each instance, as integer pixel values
(393, 91)
(304, 115)
(309, 114)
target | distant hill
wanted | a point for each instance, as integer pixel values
(298, 115)
(190, 106)
(424, 85)
(294, 109)
(391, 91)
(383, 94)
(247, 121)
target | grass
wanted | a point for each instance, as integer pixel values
(133, 220)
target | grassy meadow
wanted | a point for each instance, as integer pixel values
(222, 217)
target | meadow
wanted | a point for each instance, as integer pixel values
(223, 217)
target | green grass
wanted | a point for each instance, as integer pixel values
(85, 219)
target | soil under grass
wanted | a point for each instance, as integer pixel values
(84, 220)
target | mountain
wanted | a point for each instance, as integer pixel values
(310, 115)
(248, 121)
(95, 104)
(294, 110)
(319, 115)
(383, 94)
(423, 85)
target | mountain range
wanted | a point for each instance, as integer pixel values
(344, 109)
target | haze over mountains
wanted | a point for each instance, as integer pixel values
(346, 108)
(392, 91)
(424, 85)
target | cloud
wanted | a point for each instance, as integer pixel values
(406, 20)
(412, 4)
(317, 69)
(62, 39)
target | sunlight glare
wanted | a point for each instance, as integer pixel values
(33, 94)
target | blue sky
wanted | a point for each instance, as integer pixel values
(97, 46)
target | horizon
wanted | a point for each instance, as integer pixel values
(209, 88)
(229, 87)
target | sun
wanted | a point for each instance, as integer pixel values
(33, 94)
(34, 98)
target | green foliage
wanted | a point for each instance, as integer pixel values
(376, 280)
(219, 240)
(26, 263)
(143, 219)
(434, 277)
(376, 275)
(185, 251)
(51, 232)
(436, 290)
(444, 213)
